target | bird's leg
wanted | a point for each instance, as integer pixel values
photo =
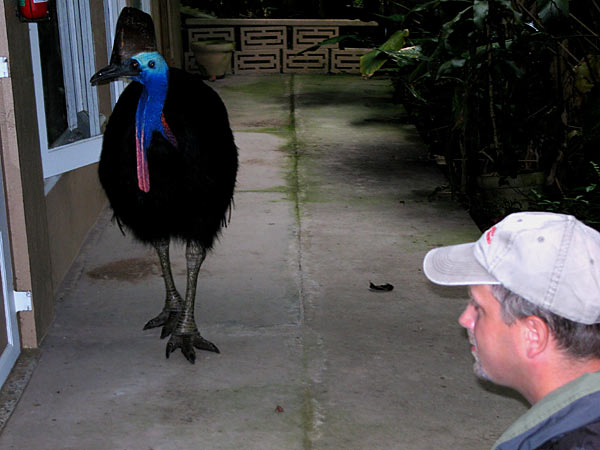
(186, 335)
(173, 302)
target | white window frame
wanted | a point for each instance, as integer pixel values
(77, 48)
(78, 67)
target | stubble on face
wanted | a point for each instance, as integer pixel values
(477, 366)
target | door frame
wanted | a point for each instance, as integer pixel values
(13, 348)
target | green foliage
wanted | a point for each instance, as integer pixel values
(552, 9)
(503, 87)
(333, 41)
(374, 60)
(229, 8)
(581, 201)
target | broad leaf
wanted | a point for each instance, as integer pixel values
(415, 93)
(371, 62)
(407, 56)
(413, 53)
(394, 18)
(396, 41)
(550, 9)
(448, 27)
(374, 60)
(332, 41)
(480, 12)
(455, 63)
(421, 71)
(424, 6)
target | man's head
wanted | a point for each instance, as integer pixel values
(534, 280)
(551, 260)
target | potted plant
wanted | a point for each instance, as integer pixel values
(213, 57)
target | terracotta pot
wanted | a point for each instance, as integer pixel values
(213, 57)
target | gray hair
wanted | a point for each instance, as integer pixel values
(576, 339)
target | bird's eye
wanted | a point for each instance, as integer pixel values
(151, 64)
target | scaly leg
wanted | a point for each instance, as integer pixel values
(173, 302)
(186, 335)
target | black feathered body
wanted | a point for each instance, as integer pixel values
(191, 184)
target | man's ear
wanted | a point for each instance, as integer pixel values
(536, 335)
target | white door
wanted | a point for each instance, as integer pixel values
(10, 346)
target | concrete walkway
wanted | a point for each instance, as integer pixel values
(334, 192)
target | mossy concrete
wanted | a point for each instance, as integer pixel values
(335, 190)
(367, 210)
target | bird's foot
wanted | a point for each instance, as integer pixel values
(187, 342)
(167, 319)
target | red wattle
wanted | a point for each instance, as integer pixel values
(168, 133)
(142, 165)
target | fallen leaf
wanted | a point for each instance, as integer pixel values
(380, 287)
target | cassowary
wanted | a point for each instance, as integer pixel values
(168, 166)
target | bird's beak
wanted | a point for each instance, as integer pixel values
(114, 71)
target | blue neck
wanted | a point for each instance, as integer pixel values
(155, 80)
(148, 116)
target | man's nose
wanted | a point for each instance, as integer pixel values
(467, 318)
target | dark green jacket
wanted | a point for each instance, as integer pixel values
(567, 416)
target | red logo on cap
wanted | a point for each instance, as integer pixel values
(490, 234)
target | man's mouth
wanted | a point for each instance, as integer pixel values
(473, 343)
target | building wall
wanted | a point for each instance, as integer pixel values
(72, 206)
(24, 186)
(47, 232)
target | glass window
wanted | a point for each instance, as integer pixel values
(63, 63)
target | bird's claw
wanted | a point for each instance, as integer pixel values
(187, 342)
(166, 319)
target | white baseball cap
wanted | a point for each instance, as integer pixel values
(551, 260)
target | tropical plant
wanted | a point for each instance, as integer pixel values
(581, 201)
(499, 87)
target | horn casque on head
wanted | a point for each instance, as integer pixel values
(134, 34)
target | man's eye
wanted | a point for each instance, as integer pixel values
(151, 64)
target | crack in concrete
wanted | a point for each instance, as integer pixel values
(308, 410)
(311, 412)
(294, 179)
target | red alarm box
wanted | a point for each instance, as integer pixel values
(33, 9)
